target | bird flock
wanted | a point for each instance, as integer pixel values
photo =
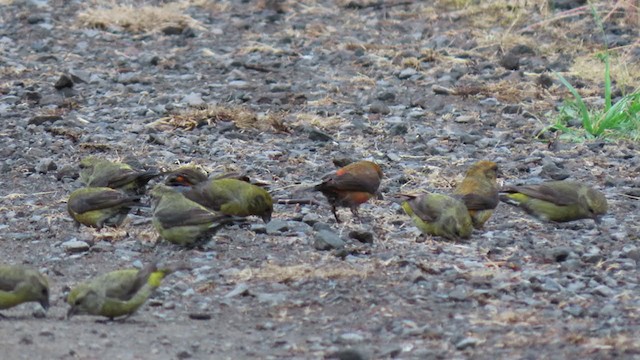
(189, 207)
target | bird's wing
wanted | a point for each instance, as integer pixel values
(194, 216)
(99, 200)
(125, 290)
(349, 182)
(559, 196)
(8, 282)
(121, 177)
(480, 202)
(423, 210)
(215, 194)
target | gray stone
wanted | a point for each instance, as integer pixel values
(272, 298)
(467, 343)
(407, 73)
(364, 236)
(603, 290)
(277, 226)
(387, 96)
(193, 99)
(259, 228)
(311, 219)
(75, 246)
(350, 338)
(378, 107)
(240, 289)
(491, 101)
(327, 240)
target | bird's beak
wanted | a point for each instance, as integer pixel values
(597, 220)
(266, 218)
(44, 303)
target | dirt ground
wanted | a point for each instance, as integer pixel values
(280, 90)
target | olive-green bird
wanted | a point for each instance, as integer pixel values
(182, 221)
(100, 206)
(232, 197)
(439, 215)
(97, 172)
(117, 293)
(557, 201)
(479, 191)
(20, 284)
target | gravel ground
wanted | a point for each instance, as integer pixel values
(281, 90)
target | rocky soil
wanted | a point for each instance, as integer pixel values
(281, 90)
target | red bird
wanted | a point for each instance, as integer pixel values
(351, 186)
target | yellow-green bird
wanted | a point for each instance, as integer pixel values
(227, 194)
(98, 172)
(100, 206)
(182, 221)
(233, 197)
(558, 201)
(439, 215)
(20, 284)
(479, 191)
(117, 293)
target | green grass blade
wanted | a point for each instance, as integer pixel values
(582, 107)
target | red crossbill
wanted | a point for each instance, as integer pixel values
(100, 206)
(187, 175)
(228, 193)
(97, 172)
(558, 201)
(232, 197)
(182, 221)
(351, 186)
(20, 284)
(479, 191)
(439, 215)
(117, 293)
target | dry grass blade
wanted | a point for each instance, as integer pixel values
(193, 118)
(138, 19)
(285, 273)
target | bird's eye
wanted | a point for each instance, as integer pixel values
(45, 291)
(78, 302)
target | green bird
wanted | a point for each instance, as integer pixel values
(233, 197)
(479, 191)
(557, 201)
(97, 172)
(117, 293)
(100, 206)
(439, 215)
(182, 221)
(20, 284)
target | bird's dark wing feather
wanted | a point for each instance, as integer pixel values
(195, 216)
(349, 182)
(423, 210)
(561, 197)
(480, 202)
(100, 200)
